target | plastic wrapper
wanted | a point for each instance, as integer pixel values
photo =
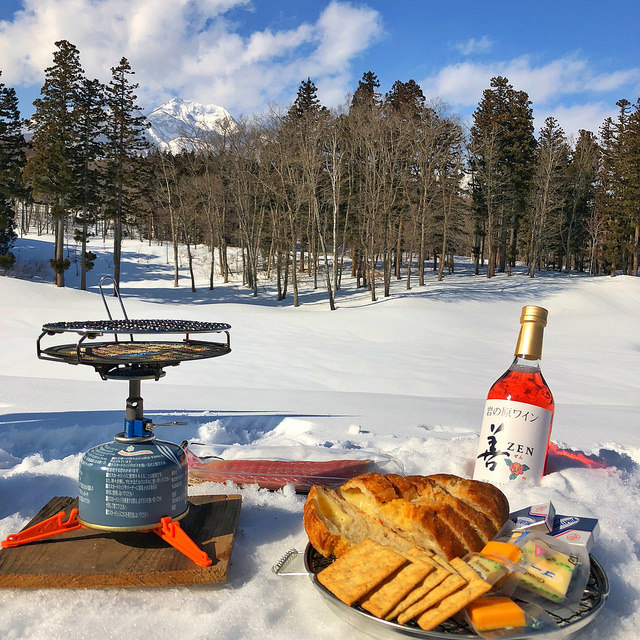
(555, 573)
(499, 616)
(273, 467)
(495, 563)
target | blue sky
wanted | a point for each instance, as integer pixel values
(574, 59)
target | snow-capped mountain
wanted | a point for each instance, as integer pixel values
(178, 124)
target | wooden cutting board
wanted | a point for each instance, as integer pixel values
(89, 558)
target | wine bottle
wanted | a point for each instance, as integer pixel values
(516, 424)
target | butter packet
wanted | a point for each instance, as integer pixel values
(497, 616)
(555, 573)
(543, 518)
(576, 530)
(538, 517)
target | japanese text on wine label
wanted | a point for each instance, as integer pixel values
(491, 453)
(513, 442)
(511, 412)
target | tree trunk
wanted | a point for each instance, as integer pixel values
(294, 265)
(190, 259)
(399, 251)
(386, 263)
(117, 250)
(174, 238)
(83, 254)
(213, 260)
(59, 252)
(370, 261)
(117, 232)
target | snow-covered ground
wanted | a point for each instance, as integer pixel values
(402, 379)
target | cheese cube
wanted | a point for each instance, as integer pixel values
(495, 612)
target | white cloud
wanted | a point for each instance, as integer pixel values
(344, 31)
(462, 84)
(333, 90)
(472, 45)
(190, 48)
(264, 45)
(567, 88)
(612, 81)
(588, 116)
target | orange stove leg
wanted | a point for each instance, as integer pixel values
(171, 532)
(48, 528)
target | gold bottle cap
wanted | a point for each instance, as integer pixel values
(533, 320)
(534, 314)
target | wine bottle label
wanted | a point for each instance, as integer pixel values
(513, 442)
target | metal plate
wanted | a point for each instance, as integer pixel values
(136, 326)
(593, 599)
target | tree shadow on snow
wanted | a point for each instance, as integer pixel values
(461, 285)
(149, 263)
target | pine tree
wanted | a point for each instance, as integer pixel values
(628, 183)
(55, 143)
(503, 147)
(405, 106)
(605, 228)
(90, 115)
(406, 99)
(306, 101)
(306, 125)
(581, 181)
(633, 148)
(125, 142)
(548, 195)
(367, 94)
(618, 193)
(12, 160)
(362, 127)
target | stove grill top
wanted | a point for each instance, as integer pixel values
(138, 357)
(135, 357)
(99, 327)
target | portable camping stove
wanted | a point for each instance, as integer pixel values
(135, 483)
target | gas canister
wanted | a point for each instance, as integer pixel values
(131, 483)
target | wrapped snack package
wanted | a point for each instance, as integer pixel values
(555, 573)
(495, 562)
(543, 518)
(497, 616)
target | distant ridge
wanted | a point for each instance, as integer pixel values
(176, 124)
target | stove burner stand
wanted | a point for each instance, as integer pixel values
(135, 483)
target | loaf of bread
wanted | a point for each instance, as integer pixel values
(442, 513)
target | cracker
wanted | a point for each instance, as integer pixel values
(356, 573)
(449, 566)
(417, 554)
(387, 596)
(466, 571)
(451, 583)
(450, 605)
(431, 581)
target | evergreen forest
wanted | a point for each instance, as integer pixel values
(372, 191)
